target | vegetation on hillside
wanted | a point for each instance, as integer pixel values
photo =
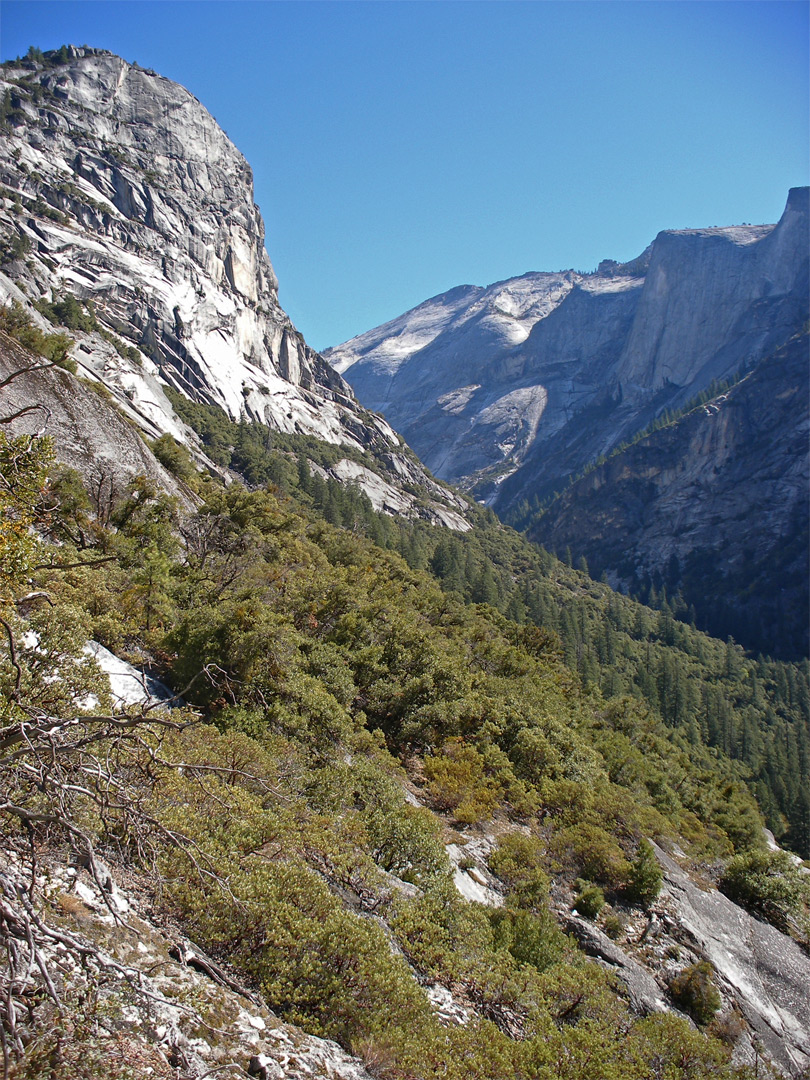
(704, 693)
(358, 689)
(326, 670)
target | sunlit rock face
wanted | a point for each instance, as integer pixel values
(118, 187)
(510, 389)
(162, 234)
(765, 971)
(463, 374)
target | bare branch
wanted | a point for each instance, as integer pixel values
(29, 598)
(25, 371)
(28, 409)
(73, 565)
(14, 661)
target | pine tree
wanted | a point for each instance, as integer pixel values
(644, 883)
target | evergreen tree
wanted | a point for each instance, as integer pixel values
(644, 882)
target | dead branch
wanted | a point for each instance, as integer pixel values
(27, 409)
(25, 371)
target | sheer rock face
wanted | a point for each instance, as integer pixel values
(163, 235)
(463, 373)
(121, 189)
(512, 388)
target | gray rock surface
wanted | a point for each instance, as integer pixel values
(762, 969)
(89, 432)
(119, 188)
(512, 388)
(130, 685)
(645, 994)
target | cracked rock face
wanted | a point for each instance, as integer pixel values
(119, 188)
(159, 230)
(90, 434)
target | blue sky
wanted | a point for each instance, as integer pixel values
(400, 149)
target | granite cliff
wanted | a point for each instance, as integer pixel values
(120, 191)
(510, 389)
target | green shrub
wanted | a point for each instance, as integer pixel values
(694, 991)
(67, 311)
(518, 861)
(174, 457)
(644, 881)
(767, 883)
(614, 926)
(590, 900)
(593, 853)
(15, 248)
(457, 782)
(16, 322)
(533, 939)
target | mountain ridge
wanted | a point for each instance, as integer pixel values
(601, 359)
(606, 338)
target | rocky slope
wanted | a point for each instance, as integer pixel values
(176, 1012)
(120, 189)
(525, 382)
(761, 973)
(90, 433)
(714, 506)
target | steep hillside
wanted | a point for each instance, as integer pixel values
(127, 217)
(713, 506)
(374, 824)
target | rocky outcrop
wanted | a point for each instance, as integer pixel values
(90, 434)
(118, 188)
(761, 973)
(715, 506)
(644, 992)
(762, 970)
